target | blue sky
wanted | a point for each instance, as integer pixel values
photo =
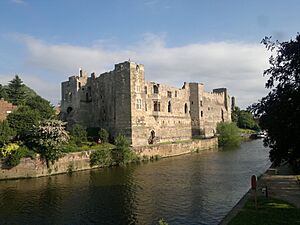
(213, 42)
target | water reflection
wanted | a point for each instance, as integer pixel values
(191, 189)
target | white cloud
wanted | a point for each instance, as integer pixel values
(235, 65)
(18, 1)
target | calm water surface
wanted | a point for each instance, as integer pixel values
(192, 189)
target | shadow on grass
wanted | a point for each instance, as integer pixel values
(270, 211)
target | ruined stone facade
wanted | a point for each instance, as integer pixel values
(121, 101)
(5, 109)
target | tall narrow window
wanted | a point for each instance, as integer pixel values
(139, 104)
(201, 103)
(169, 94)
(176, 94)
(145, 89)
(169, 106)
(201, 113)
(156, 106)
(185, 108)
(155, 89)
(79, 85)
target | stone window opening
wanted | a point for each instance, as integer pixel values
(201, 103)
(79, 85)
(139, 104)
(201, 113)
(176, 94)
(69, 110)
(169, 107)
(169, 93)
(222, 115)
(137, 68)
(145, 106)
(156, 106)
(155, 89)
(185, 108)
(152, 137)
(145, 89)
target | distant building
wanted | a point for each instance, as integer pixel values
(5, 109)
(121, 101)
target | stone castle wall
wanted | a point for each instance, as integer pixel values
(121, 101)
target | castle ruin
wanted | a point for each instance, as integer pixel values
(121, 101)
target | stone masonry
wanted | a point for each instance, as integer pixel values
(121, 101)
(5, 109)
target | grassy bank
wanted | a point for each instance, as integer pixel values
(270, 211)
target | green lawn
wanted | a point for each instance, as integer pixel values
(269, 212)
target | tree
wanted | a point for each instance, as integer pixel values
(49, 136)
(104, 135)
(235, 114)
(78, 134)
(3, 93)
(228, 134)
(6, 133)
(23, 119)
(279, 111)
(15, 91)
(44, 108)
(245, 120)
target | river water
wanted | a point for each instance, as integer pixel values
(199, 188)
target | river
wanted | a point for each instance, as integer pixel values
(199, 188)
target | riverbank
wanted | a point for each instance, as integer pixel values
(78, 161)
(282, 185)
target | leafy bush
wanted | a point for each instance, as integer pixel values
(78, 134)
(228, 134)
(22, 152)
(6, 133)
(104, 135)
(8, 149)
(48, 137)
(123, 154)
(101, 157)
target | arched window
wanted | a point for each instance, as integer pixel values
(155, 89)
(185, 108)
(169, 106)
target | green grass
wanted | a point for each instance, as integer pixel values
(246, 131)
(269, 212)
(86, 146)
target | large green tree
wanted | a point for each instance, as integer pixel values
(279, 111)
(15, 91)
(3, 93)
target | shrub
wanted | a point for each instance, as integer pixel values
(123, 154)
(228, 134)
(14, 158)
(101, 157)
(48, 137)
(6, 133)
(8, 149)
(78, 133)
(104, 135)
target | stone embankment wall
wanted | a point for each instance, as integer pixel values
(29, 168)
(178, 148)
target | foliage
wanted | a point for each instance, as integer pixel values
(23, 119)
(8, 149)
(101, 157)
(104, 135)
(15, 91)
(270, 211)
(228, 134)
(48, 137)
(6, 133)
(279, 111)
(162, 222)
(244, 119)
(14, 158)
(44, 108)
(123, 154)
(78, 134)
(3, 93)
